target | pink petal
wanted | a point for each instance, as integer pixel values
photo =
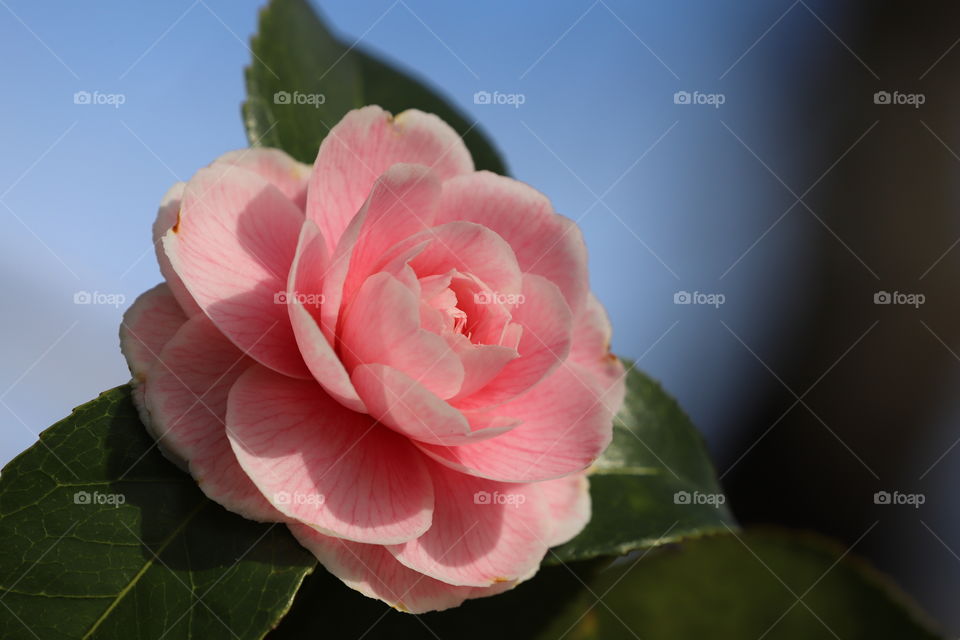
(326, 466)
(565, 427)
(167, 216)
(591, 350)
(488, 313)
(306, 279)
(362, 146)
(568, 500)
(233, 246)
(435, 289)
(149, 323)
(279, 169)
(406, 406)
(481, 363)
(400, 204)
(468, 248)
(546, 244)
(544, 344)
(374, 572)
(382, 326)
(483, 532)
(187, 400)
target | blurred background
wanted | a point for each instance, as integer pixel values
(788, 169)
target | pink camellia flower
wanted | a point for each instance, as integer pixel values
(393, 354)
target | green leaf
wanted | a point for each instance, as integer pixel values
(294, 53)
(639, 485)
(104, 538)
(324, 608)
(760, 584)
(733, 586)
